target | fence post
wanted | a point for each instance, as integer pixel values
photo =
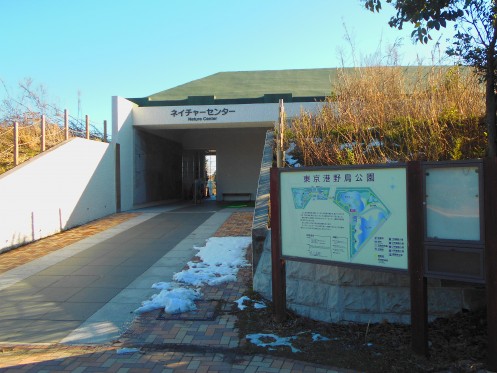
(105, 131)
(418, 282)
(66, 125)
(87, 127)
(490, 260)
(16, 143)
(42, 139)
(278, 265)
(282, 133)
(279, 136)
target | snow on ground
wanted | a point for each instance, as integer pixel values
(221, 258)
(257, 305)
(288, 158)
(316, 337)
(258, 340)
(272, 340)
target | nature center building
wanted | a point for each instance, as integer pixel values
(162, 140)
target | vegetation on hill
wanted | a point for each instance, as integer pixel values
(26, 108)
(382, 114)
(473, 43)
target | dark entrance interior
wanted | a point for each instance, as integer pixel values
(198, 175)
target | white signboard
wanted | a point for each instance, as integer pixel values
(356, 216)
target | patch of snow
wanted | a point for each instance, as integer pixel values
(221, 259)
(240, 301)
(316, 337)
(288, 158)
(173, 300)
(374, 143)
(259, 305)
(127, 350)
(278, 341)
(348, 145)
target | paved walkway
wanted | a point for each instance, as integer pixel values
(72, 309)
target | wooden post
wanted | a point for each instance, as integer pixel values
(280, 128)
(42, 139)
(105, 131)
(282, 132)
(87, 127)
(415, 234)
(277, 263)
(278, 145)
(16, 143)
(118, 177)
(66, 125)
(491, 259)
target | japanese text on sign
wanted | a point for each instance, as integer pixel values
(201, 115)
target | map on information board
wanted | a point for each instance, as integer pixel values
(366, 211)
(302, 196)
(356, 216)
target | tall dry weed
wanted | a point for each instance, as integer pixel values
(29, 141)
(385, 114)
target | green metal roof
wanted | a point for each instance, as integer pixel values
(243, 84)
(248, 87)
(239, 87)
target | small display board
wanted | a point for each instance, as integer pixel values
(453, 202)
(454, 234)
(355, 216)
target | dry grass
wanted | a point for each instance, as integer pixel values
(29, 142)
(385, 114)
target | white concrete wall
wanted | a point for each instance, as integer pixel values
(123, 134)
(69, 185)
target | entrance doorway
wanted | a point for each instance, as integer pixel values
(198, 174)
(210, 161)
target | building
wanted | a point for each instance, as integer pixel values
(163, 139)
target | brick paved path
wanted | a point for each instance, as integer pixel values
(205, 341)
(37, 249)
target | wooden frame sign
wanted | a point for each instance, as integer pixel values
(454, 239)
(352, 216)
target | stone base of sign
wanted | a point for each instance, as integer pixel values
(340, 294)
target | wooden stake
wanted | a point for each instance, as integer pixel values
(105, 131)
(66, 124)
(87, 127)
(16, 143)
(282, 133)
(42, 139)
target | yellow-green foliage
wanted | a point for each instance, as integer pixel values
(383, 114)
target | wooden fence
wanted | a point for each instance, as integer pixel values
(36, 135)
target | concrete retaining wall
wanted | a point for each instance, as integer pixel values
(335, 294)
(66, 186)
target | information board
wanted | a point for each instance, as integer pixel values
(453, 202)
(355, 216)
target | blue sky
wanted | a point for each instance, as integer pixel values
(130, 48)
